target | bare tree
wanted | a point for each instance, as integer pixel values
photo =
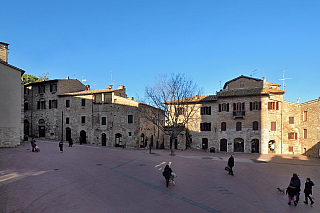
(175, 97)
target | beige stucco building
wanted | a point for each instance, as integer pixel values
(11, 99)
(65, 108)
(250, 115)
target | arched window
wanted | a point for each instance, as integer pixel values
(223, 126)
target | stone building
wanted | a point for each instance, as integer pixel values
(11, 99)
(250, 115)
(65, 108)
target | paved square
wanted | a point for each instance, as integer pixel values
(88, 178)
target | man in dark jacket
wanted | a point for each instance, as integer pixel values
(231, 164)
(167, 173)
(295, 179)
(308, 191)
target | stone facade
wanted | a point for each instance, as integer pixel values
(250, 115)
(103, 117)
(11, 100)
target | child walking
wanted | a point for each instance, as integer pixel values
(291, 191)
(308, 191)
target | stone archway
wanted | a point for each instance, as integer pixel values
(238, 144)
(255, 146)
(223, 145)
(42, 128)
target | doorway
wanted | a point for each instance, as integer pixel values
(83, 136)
(255, 146)
(204, 143)
(272, 146)
(68, 134)
(223, 145)
(238, 145)
(118, 140)
(103, 139)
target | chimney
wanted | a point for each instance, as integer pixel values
(110, 86)
(88, 87)
(67, 77)
(4, 50)
(264, 81)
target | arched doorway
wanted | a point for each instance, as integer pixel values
(255, 146)
(103, 139)
(68, 134)
(26, 127)
(204, 143)
(142, 141)
(83, 136)
(42, 129)
(272, 146)
(118, 142)
(238, 145)
(223, 145)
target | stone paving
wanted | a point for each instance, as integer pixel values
(89, 178)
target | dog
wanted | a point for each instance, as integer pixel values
(281, 191)
(173, 178)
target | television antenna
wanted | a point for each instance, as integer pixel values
(283, 79)
(83, 80)
(112, 81)
(253, 73)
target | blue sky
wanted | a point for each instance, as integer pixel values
(210, 41)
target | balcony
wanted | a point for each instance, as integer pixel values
(239, 114)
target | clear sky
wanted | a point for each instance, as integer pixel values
(210, 41)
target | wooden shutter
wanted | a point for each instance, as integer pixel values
(219, 107)
(50, 102)
(250, 106)
(227, 107)
(277, 105)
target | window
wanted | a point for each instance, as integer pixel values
(305, 134)
(67, 103)
(53, 104)
(292, 135)
(205, 110)
(130, 119)
(67, 120)
(224, 107)
(291, 120)
(223, 126)
(255, 125)
(180, 111)
(273, 105)
(241, 84)
(129, 133)
(255, 105)
(205, 126)
(83, 102)
(273, 126)
(26, 91)
(41, 104)
(26, 106)
(98, 98)
(41, 89)
(238, 109)
(305, 113)
(238, 126)
(53, 87)
(83, 119)
(104, 121)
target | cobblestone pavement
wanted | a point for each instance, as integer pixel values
(89, 178)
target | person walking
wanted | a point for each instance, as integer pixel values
(70, 142)
(291, 192)
(150, 146)
(61, 146)
(308, 191)
(231, 164)
(33, 143)
(296, 181)
(80, 140)
(167, 173)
